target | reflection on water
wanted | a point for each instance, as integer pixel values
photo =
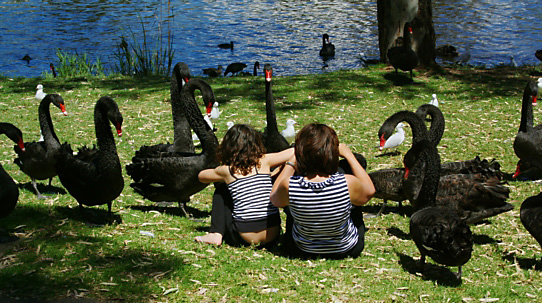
(286, 34)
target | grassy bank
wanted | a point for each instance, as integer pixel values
(62, 254)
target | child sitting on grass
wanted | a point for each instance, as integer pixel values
(242, 213)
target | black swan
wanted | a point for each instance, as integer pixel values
(9, 191)
(528, 141)
(26, 58)
(52, 68)
(226, 45)
(173, 176)
(475, 194)
(328, 49)
(94, 175)
(438, 232)
(38, 159)
(234, 68)
(389, 182)
(531, 216)
(402, 56)
(446, 51)
(538, 54)
(182, 133)
(213, 72)
(254, 71)
(272, 139)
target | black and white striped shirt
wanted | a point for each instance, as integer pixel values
(321, 213)
(251, 198)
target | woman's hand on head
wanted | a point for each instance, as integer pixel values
(344, 150)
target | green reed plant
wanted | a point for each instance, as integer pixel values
(146, 55)
(74, 65)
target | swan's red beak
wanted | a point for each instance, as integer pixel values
(268, 75)
(119, 129)
(534, 100)
(20, 143)
(208, 108)
(382, 142)
(410, 29)
(63, 109)
(407, 172)
(518, 171)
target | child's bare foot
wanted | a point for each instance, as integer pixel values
(211, 238)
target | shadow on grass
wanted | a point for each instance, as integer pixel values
(402, 79)
(440, 274)
(56, 262)
(523, 263)
(174, 210)
(90, 215)
(483, 239)
(403, 210)
(44, 189)
(394, 231)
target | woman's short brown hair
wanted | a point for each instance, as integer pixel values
(317, 150)
(241, 149)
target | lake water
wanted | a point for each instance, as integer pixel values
(286, 34)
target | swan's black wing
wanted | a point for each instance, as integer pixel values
(388, 184)
(442, 235)
(36, 161)
(167, 178)
(91, 178)
(531, 216)
(9, 193)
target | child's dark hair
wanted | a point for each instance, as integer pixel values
(317, 150)
(241, 149)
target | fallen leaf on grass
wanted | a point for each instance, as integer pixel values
(485, 300)
(171, 290)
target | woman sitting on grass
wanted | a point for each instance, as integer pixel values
(242, 213)
(322, 216)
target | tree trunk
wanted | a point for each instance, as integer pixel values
(392, 16)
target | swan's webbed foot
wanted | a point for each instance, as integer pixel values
(35, 185)
(459, 273)
(381, 210)
(422, 264)
(182, 206)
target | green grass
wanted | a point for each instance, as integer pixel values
(60, 254)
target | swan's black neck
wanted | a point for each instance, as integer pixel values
(105, 107)
(437, 121)
(530, 92)
(46, 124)
(270, 109)
(407, 35)
(11, 131)
(182, 134)
(424, 155)
(206, 135)
(419, 131)
(255, 71)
